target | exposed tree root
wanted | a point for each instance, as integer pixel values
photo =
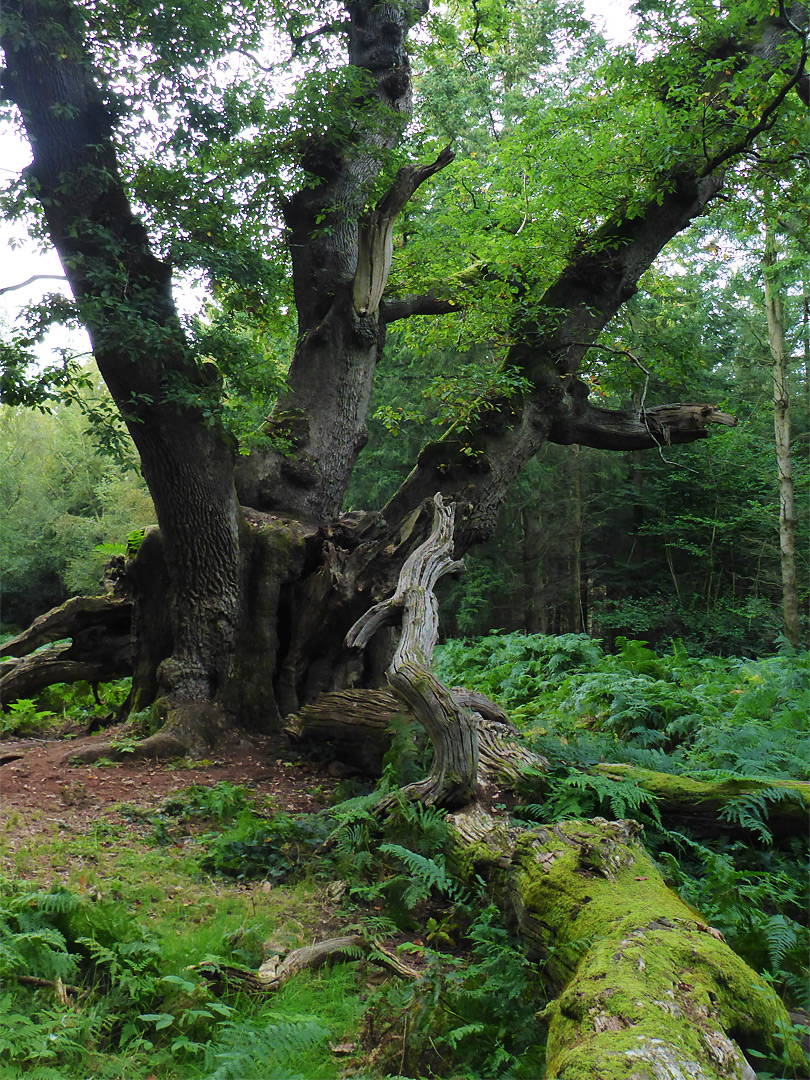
(276, 971)
(359, 723)
(189, 730)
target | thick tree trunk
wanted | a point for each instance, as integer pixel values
(124, 296)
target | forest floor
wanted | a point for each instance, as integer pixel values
(43, 791)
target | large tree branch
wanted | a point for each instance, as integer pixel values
(477, 466)
(427, 304)
(376, 245)
(662, 425)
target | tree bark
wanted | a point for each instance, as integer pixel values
(232, 620)
(124, 297)
(775, 311)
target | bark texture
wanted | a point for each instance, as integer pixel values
(646, 988)
(450, 725)
(125, 301)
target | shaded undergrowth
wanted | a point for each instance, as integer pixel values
(100, 978)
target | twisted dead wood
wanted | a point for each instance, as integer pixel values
(450, 724)
(276, 971)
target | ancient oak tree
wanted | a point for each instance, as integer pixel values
(243, 596)
(162, 144)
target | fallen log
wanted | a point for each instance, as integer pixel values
(707, 806)
(99, 650)
(359, 724)
(646, 989)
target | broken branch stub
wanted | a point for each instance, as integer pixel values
(375, 241)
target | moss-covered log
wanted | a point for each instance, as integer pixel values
(647, 989)
(708, 807)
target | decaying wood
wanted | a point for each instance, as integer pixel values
(375, 242)
(450, 725)
(100, 648)
(276, 971)
(358, 722)
(646, 987)
(697, 804)
(662, 425)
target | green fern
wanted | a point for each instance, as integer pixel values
(250, 1051)
(426, 874)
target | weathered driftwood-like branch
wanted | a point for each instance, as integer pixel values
(661, 425)
(275, 971)
(375, 243)
(647, 988)
(359, 723)
(450, 725)
(100, 648)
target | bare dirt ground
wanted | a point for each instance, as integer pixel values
(40, 787)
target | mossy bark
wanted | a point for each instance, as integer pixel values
(700, 803)
(647, 989)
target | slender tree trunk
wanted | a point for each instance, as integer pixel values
(775, 311)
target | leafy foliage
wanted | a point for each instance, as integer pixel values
(476, 1013)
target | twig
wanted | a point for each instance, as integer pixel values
(61, 988)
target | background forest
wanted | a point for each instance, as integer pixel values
(681, 543)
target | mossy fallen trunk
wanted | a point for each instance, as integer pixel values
(708, 807)
(647, 989)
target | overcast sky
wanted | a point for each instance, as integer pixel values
(21, 259)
